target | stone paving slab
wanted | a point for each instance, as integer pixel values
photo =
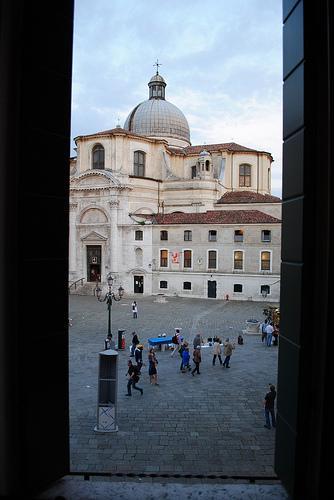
(207, 424)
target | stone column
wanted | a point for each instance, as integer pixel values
(114, 246)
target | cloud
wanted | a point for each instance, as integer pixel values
(222, 62)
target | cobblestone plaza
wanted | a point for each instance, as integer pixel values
(209, 424)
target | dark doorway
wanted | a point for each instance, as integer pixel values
(138, 284)
(94, 263)
(212, 289)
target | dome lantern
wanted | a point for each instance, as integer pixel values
(157, 87)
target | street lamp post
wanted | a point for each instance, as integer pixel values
(109, 297)
(108, 371)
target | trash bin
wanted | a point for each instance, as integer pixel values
(121, 339)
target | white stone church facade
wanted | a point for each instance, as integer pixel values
(164, 216)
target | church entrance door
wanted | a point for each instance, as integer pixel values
(93, 263)
(138, 284)
(212, 289)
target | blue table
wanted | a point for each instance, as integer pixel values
(158, 341)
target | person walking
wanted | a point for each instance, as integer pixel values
(264, 332)
(133, 378)
(185, 359)
(198, 340)
(152, 367)
(269, 332)
(134, 309)
(197, 358)
(269, 407)
(216, 351)
(134, 343)
(139, 356)
(176, 340)
(228, 349)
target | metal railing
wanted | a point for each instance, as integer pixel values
(74, 284)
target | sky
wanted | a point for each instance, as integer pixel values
(221, 60)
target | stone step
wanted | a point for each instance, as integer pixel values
(85, 289)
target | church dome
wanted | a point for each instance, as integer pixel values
(159, 118)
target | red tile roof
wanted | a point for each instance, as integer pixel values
(247, 197)
(224, 146)
(214, 217)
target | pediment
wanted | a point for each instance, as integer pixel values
(92, 179)
(93, 236)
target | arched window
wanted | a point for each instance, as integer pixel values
(98, 157)
(245, 175)
(139, 163)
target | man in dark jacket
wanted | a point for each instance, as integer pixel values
(134, 343)
(269, 407)
(133, 378)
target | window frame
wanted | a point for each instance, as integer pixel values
(269, 252)
(165, 233)
(188, 282)
(245, 178)
(235, 239)
(137, 164)
(242, 261)
(263, 240)
(268, 289)
(189, 233)
(212, 237)
(163, 287)
(139, 231)
(98, 149)
(184, 258)
(160, 258)
(238, 284)
(216, 258)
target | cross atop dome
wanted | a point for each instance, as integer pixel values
(157, 64)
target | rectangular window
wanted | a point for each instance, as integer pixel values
(265, 261)
(238, 236)
(138, 235)
(187, 258)
(265, 290)
(163, 258)
(186, 285)
(266, 235)
(188, 236)
(212, 259)
(163, 284)
(237, 288)
(245, 175)
(164, 235)
(213, 235)
(238, 260)
(139, 163)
